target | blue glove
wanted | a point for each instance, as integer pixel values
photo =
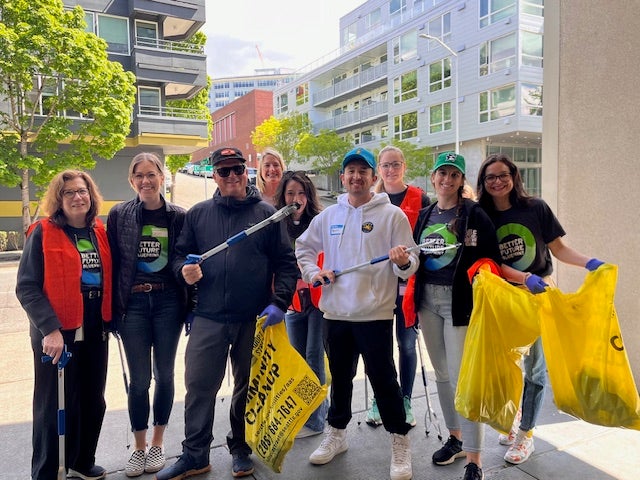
(535, 284)
(274, 316)
(593, 264)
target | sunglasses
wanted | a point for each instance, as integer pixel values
(224, 172)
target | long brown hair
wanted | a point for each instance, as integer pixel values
(52, 200)
(517, 196)
(313, 201)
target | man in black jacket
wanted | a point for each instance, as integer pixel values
(257, 274)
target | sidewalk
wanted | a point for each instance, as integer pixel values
(565, 448)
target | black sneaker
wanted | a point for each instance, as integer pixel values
(93, 473)
(242, 465)
(185, 467)
(472, 472)
(451, 450)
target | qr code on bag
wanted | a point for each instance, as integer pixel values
(307, 390)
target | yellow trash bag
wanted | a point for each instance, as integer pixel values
(503, 325)
(586, 359)
(283, 393)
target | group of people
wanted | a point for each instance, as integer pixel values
(78, 281)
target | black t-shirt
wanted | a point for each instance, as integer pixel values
(523, 234)
(153, 248)
(91, 263)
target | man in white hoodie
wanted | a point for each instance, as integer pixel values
(358, 306)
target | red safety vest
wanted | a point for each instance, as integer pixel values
(63, 271)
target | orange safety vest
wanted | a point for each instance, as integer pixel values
(63, 271)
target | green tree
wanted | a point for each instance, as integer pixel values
(418, 159)
(326, 150)
(283, 134)
(62, 102)
(197, 105)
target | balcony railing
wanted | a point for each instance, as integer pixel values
(355, 117)
(172, 112)
(352, 83)
(170, 45)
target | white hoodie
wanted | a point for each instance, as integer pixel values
(350, 236)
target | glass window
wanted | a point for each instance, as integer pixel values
(498, 54)
(531, 49)
(493, 10)
(440, 27)
(302, 94)
(440, 117)
(405, 47)
(397, 6)
(498, 103)
(349, 34)
(533, 7)
(440, 75)
(115, 31)
(405, 87)
(373, 18)
(405, 126)
(531, 99)
(146, 34)
(282, 104)
(149, 101)
(88, 17)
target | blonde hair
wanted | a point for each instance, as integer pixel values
(379, 186)
(52, 200)
(277, 155)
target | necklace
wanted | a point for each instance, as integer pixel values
(443, 210)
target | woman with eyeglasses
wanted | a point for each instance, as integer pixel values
(270, 169)
(64, 286)
(443, 297)
(528, 233)
(391, 169)
(149, 305)
(303, 318)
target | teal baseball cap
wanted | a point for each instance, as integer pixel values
(450, 158)
(361, 154)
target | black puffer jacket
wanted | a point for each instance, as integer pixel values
(239, 282)
(124, 230)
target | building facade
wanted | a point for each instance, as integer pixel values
(234, 123)
(389, 81)
(151, 39)
(227, 89)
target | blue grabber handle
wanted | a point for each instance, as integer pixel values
(62, 362)
(373, 261)
(192, 259)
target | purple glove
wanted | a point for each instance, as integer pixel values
(593, 264)
(274, 316)
(535, 284)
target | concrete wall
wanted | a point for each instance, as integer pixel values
(591, 175)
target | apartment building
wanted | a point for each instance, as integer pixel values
(151, 39)
(225, 90)
(431, 71)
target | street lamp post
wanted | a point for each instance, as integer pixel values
(455, 101)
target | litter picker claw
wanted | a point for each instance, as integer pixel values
(275, 218)
(62, 362)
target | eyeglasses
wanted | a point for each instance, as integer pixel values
(224, 172)
(139, 177)
(83, 192)
(503, 177)
(394, 166)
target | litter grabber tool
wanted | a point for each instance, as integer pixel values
(423, 247)
(275, 218)
(430, 418)
(62, 362)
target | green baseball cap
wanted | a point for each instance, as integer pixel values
(450, 158)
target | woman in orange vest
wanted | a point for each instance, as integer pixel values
(64, 285)
(303, 318)
(391, 170)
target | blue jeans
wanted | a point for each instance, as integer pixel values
(535, 378)
(407, 358)
(151, 326)
(305, 334)
(445, 344)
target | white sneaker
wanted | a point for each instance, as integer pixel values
(135, 465)
(521, 449)
(334, 443)
(400, 458)
(509, 439)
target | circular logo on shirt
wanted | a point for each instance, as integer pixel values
(367, 227)
(517, 245)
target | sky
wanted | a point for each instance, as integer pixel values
(287, 33)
